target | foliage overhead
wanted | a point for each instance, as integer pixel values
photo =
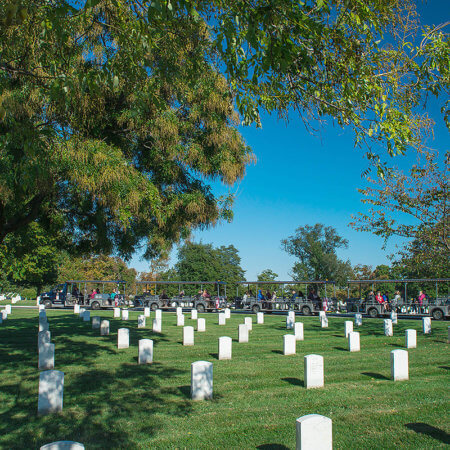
(113, 124)
(414, 206)
(315, 247)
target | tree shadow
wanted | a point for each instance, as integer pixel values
(377, 376)
(429, 430)
(294, 381)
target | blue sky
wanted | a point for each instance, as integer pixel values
(301, 179)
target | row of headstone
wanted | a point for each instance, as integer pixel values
(63, 445)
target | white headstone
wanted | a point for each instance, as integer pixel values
(358, 320)
(180, 320)
(76, 310)
(243, 333)
(123, 338)
(248, 322)
(116, 312)
(394, 317)
(96, 322)
(289, 323)
(47, 357)
(104, 328)
(399, 365)
(63, 445)
(141, 321)
(41, 307)
(289, 344)
(43, 315)
(194, 314)
(44, 337)
(145, 351)
(147, 311)
(260, 318)
(201, 380)
(426, 325)
(348, 327)
(201, 325)
(188, 336)
(388, 329)
(298, 331)
(411, 338)
(291, 314)
(43, 326)
(314, 377)
(157, 325)
(86, 316)
(4, 314)
(125, 314)
(314, 432)
(353, 342)
(225, 345)
(82, 310)
(51, 390)
(321, 314)
(324, 322)
(8, 309)
(158, 314)
(227, 313)
(179, 310)
(222, 319)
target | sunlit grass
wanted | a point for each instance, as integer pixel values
(112, 402)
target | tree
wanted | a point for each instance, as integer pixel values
(203, 262)
(115, 118)
(30, 258)
(268, 275)
(112, 125)
(315, 247)
(414, 206)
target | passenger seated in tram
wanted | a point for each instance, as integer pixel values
(370, 297)
(206, 294)
(380, 300)
(396, 301)
(386, 301)
(294, 295)
(268, 296)
(75, 294)
(314, 297)
(301, 294)
(181, 294)
(245, 297)
(260, 296)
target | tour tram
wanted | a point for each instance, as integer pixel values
(434, 303)
(81, 292)
(192, 294)
(285, 295)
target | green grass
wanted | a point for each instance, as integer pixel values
(112, 402)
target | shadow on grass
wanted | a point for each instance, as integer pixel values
(429, 430)
(99, 402)
(272, 447)
(444, 367)
(294, 381)
(378, 376)
(214, 355)
(278, 352)
(342, 349)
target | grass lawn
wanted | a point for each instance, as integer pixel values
(112, 402)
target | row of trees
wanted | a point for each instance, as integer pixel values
(36, 262)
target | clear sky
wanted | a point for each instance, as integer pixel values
(300, 179)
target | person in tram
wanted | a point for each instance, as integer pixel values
(386, 301)
(421, 297)
(396, 301)
(206, 294)
(293, 295)
(260, 296)
(75, 294)
(380, 300)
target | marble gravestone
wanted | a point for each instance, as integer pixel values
(123, 338)
(410, 339)
(201, 325)
(348, 327)
(180, 320)
(225, 345)
(260, 318)
(353, 342)
(314, 432)
(63, 445)
(298, 331)
(201, 380)
(145, 351)
(188, 335)
(314, 376)
(242, 333)
(289, 344)
(104, 328)
(399, 365)
(46, 357)
(388, 330)
(51, 390)
(248, 322)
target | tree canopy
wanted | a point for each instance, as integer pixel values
(116, 116)
(315, 247)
